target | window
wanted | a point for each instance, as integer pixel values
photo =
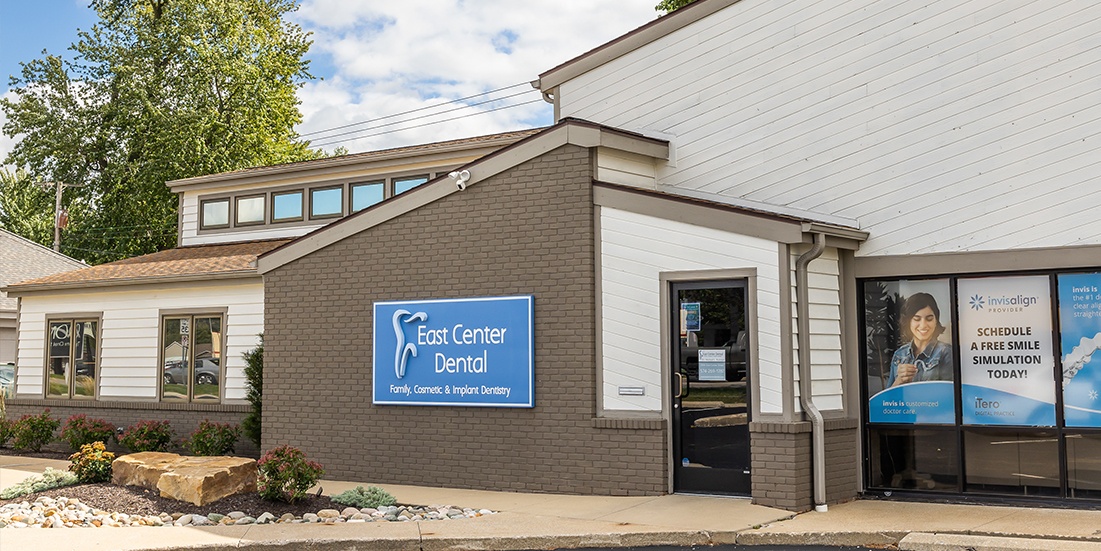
(401, 185)
(326, 202)
(73, 359)
(287, 206)
(250, 210)
(192, 358)
(367, 194)
(215, 214)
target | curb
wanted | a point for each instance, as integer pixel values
(837, 539)
(923, 541)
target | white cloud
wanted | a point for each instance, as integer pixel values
(381, 58)
(388, 58)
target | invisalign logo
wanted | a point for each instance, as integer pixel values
(976, 302)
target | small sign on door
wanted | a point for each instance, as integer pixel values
(712, 364)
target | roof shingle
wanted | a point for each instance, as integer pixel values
(180, 263)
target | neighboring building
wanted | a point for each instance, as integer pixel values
(23, 259)
(829, 200)
(162, 336)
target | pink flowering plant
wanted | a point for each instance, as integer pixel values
(147, 436)
(213, 438)
(285, 474)
(80, 429)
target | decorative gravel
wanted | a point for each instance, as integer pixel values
(100, 505)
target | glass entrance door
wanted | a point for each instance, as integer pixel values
(710, 394)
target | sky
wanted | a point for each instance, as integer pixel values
(375, 59)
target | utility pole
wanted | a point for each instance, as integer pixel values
(59, 186)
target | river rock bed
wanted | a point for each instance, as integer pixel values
(65, 512)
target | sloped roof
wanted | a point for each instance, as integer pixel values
(22, 259)
(180, 264)
(489, 140)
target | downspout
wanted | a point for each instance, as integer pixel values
(806, 399)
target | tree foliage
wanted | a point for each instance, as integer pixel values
(668, 6)
(25, 208)
(157, 90)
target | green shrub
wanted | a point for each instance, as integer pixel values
(31, 432)
(213, 438)
(365, 497)
(147, 436)
(92, 463)
(6, 427)
(254, 382)
(48, 480)
(285, 474)
(80, 430)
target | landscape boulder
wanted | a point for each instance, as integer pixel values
(196, 480)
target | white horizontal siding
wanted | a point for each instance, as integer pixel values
(189, 224)
(939, 126)
(620, 167)
(824, 310)
(129, 333)
(635, 249)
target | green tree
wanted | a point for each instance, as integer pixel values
(668, 6)
(26, 209)
(157, 90)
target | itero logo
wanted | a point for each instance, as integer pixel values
(404, 350)
(977, 302)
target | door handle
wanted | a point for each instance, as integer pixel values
(680, 386)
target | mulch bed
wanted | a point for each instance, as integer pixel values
(134, 500)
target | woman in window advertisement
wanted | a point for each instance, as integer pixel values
(924, 358)
(910, 358)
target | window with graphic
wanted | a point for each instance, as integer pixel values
(909, 355)
(73, 359)
(1006, 355)
(192, 358)
(1080, 340)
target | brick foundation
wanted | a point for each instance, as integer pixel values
(782, 469)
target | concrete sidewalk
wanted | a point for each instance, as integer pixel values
(541, 521)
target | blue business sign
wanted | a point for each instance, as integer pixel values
(454, 352)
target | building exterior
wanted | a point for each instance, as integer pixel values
(753, 227)
(796, 253)
(162, 336)
(22, 259)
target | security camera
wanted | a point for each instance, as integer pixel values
(460, 178)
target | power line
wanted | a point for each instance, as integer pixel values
(413, 110)
(324, 143)
(460, 108)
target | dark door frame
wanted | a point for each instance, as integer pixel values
(749, 275)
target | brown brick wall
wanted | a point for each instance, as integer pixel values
(782, 469)
(183, 418)
(528, 230)
(842, 464)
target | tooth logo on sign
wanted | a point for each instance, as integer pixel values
(404, 350)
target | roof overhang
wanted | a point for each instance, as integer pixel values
(722, 214)
(36, 289)
(568, 131)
